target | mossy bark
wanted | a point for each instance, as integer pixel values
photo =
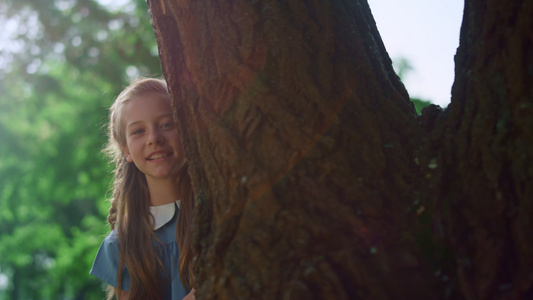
(314, 177)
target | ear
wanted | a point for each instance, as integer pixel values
(127, 153)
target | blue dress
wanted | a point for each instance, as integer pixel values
(105, 266)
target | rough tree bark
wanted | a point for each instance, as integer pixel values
(314, 177)
(481, 193)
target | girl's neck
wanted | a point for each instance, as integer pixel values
(163, 192)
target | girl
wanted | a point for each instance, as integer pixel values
(152, 205)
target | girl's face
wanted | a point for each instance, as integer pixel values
(152, 142)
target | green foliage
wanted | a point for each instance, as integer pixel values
(420, 104)
(74, 57)
(402, 67)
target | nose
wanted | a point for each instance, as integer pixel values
(155, 137)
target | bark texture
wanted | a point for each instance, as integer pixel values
(315, 179)
(482, 147)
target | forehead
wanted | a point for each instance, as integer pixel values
(146, 107)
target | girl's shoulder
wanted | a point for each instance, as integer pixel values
(109, 247)
(107, 259)
(111, 238)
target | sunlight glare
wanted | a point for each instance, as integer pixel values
(3, 282)
(113, 4)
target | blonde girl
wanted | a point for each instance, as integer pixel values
(148, 254)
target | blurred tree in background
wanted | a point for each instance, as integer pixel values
(62, 62)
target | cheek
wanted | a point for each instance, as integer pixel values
(134, 146)
(131, 147)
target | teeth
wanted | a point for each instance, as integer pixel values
(156, 156)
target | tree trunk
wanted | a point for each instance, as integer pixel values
(314, 178)
(482, 147)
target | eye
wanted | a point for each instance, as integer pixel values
(138, 131)
(167, 125)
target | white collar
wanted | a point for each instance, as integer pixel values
(163, 213)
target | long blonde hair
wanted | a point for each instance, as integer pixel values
(131, 201)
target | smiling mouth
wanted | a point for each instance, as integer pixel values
(156, 156)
